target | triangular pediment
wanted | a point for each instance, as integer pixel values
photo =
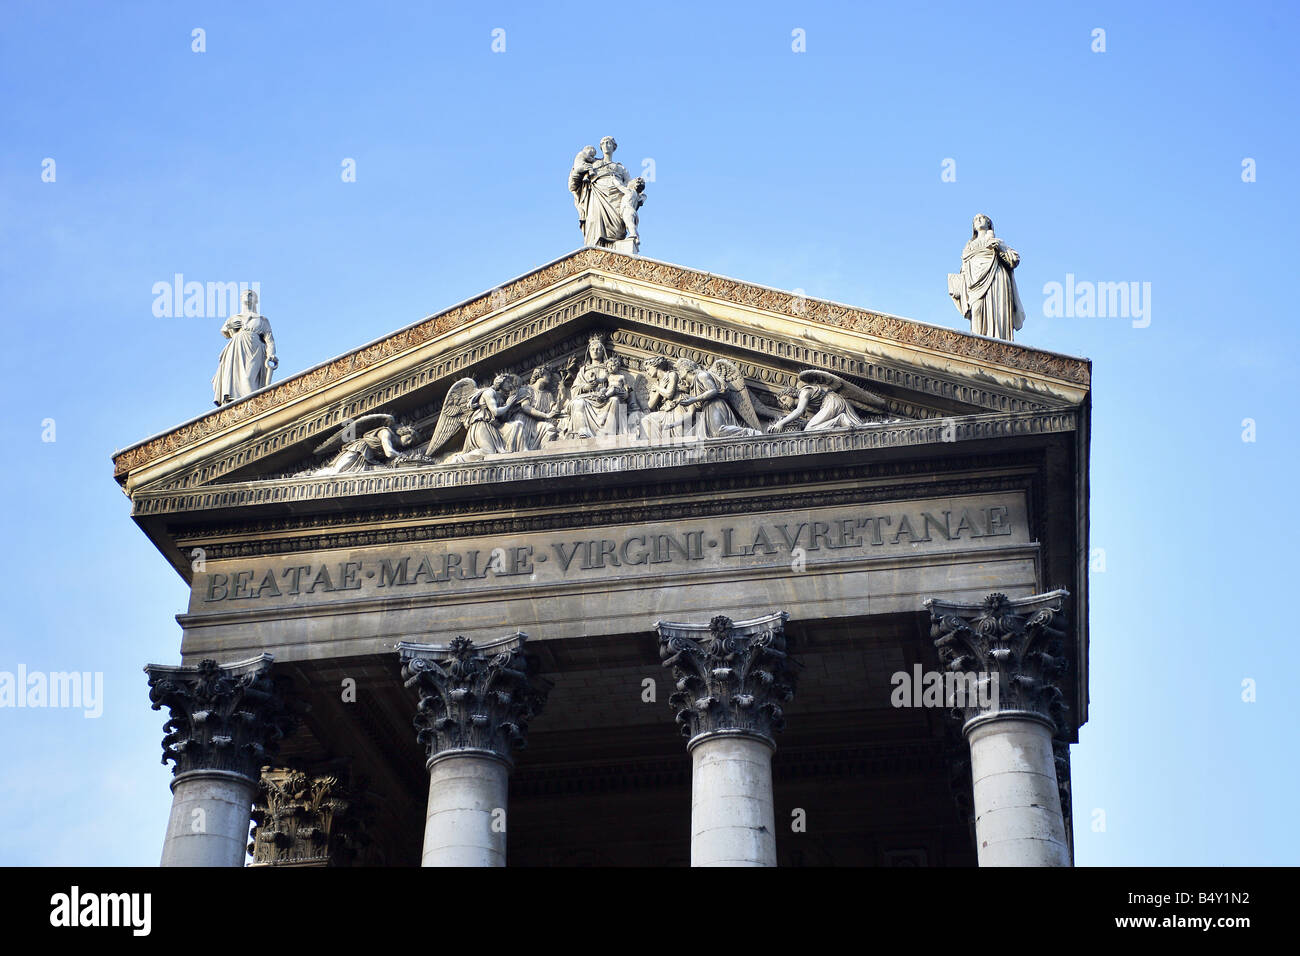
(892, 374)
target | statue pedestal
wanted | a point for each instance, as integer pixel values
(631, 247)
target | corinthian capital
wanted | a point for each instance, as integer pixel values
(474, 697)
(303, 819)
(1009, 654)
(228, 717)
(731, 677)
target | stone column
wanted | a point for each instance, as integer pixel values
(732, 679)
(226, 721)
(475, 706)
(1004, 661)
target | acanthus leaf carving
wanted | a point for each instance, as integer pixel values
(1013, 647)
(225, 717)
(474, 698)
(730, 677)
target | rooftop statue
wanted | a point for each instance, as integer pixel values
(606, 199)
(985, 290)
(249, 358)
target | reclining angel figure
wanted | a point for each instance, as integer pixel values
(480, 412)
(831, 400)
(369, 442)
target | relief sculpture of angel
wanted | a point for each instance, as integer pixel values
(664, 420)
(831, 400)
(481, 412)
(369, 442)
(719, 399)
(532, 423)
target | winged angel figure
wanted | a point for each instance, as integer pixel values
(719, 399)
(369, 442)
(831, 400)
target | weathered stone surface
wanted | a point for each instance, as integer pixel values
(735, 311)
(477, 699)
(208, 824)
(227, 717)
(731, 677)
(733, 821)
(466, 822)
(1018, 820)
(303, 819)
(1018, 644)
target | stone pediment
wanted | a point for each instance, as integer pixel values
(342, 428)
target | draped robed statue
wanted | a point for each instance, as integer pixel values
(606, 199)
(985, 289)
(249, 358)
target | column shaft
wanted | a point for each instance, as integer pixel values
(1018, 819)
(466, 820)
(209, 820)
(732, 818)
(225, 720)
(475, 706)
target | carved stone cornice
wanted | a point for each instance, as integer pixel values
(1014, 650)
(637, 457)
(302, 819)
(474, 698)
(225, 717)
(891, 328)
(732, 678)
(608, 505)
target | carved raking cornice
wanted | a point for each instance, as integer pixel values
(226, 717)
(598, 261)
(474, 699)
(1014, 648)
(303, 819)
(732, 678)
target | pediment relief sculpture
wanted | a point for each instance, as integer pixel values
(599, 399)
(369, 442)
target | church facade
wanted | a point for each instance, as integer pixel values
(629, 564)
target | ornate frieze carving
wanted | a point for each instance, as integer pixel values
(1009, 651)
(228, 717)
(685, 280)
(474, 697)
(555, 464)
(730, 677)
(303, 819)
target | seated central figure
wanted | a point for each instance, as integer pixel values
(597, 400)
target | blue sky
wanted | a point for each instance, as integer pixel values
(818, 170)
